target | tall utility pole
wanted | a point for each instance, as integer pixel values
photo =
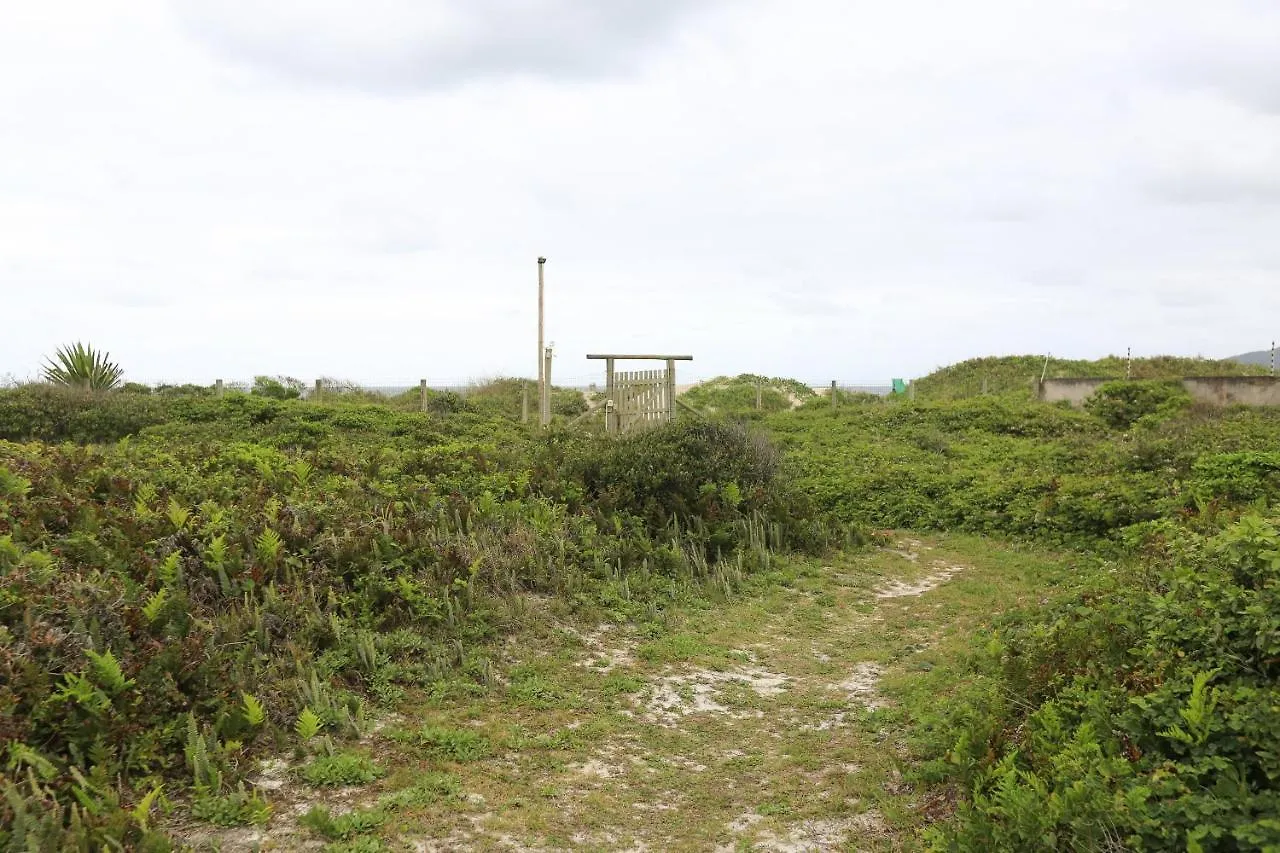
(542, 262)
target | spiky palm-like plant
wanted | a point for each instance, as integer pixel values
(80, 366)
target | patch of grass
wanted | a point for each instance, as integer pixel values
(674, 648)
(363, 844)
(533, 689)
(240, 807)
(429, 789)
(452, 744)
(343, 826)
(342, 768)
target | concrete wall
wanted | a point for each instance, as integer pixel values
(1074, 391)
(1234, 390)
(1213, 390)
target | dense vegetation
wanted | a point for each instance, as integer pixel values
(1140, 710)
(1016, 375)
(747, 393)
(251, 573)
(197, 579)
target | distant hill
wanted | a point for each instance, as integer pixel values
(1262, 357)
(1016, 374)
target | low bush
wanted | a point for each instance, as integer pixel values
(1143, 714)
(1122, 404)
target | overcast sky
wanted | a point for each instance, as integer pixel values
(816, 188)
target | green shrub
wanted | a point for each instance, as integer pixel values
(277, 387)
(1148, 712)
(1122, 404)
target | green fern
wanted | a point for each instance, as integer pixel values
(167, 571)
(206, 777)
(267, 547)
(141, 813)
(254, 713)
(107, 672)
(21, 755)
(1198, 715)
(216, 553)
(308, 724)
(154, 608)
(177, 514)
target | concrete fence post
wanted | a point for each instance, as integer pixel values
(319, 388)
(422, 393)
(524, 402)
(217, 388)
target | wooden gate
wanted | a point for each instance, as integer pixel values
(639, 398)
(642, 397)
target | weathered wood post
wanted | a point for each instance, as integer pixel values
(524, 402)
(217, 388)
(611, 411)
(546, 387)
(834, 400)
(542, 380)
(758, 393)
(671, 390)
(319, 387)
(422, 394)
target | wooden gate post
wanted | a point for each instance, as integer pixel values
(610, 394)
(671, 390)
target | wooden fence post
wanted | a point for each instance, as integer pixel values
(546, 388)
(319, 388)
(524, 402)
(610, 390)
(217, 388)
(671, 389)
(757, 396)
(422, 394)
(834, 401)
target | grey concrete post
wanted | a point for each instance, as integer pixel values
(217, 388)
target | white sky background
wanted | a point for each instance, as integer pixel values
(815, 188)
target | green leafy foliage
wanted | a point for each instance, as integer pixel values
(1016, 376)
(452, 744)
(83, 367)
(747, 394)
(1149, 712)
(1122, 404)
(308, 724)
(344, 826)
(342, 768)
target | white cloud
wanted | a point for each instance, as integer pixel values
(828, 190)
